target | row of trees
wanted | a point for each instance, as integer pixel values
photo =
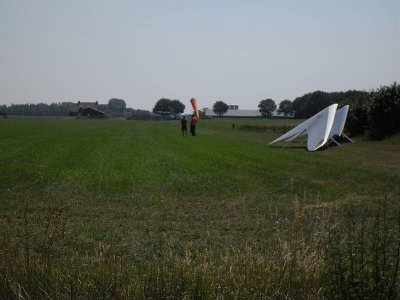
(40, 109)
(266, 108)
(376, 113)
(114, 107)
(117, 108)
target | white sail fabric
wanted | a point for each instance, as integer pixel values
(340, 120)
(317, 128)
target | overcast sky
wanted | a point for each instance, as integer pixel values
(239, 52)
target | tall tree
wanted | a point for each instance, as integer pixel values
(117, 106)
(384, 116)
(358, 118)
(286, 108)
(3, 110)
(177, 107)
(308, 105)
(167, 106)
(267, 107)
(220, 108)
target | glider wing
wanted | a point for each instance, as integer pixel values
(318, 133)
(293, 133)
(340, 120)
(317, 128)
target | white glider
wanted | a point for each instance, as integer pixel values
(338, 124)
(317, 128)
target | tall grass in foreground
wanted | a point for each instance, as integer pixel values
(315, 251)
(112, 214)
(363, 259)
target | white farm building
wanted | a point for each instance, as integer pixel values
(234, 111)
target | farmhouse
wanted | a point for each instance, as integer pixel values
(86, 109)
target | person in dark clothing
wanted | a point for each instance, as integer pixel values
(184, 126)
(193, 122)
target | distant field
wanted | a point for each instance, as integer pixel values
(131, 209)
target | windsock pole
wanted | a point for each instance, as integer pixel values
(193, 101)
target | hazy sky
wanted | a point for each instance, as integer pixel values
(239, 52)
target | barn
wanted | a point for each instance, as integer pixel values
(86, 109)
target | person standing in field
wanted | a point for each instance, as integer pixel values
(193, 122)
(184, 126)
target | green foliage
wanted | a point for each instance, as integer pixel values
(177, 107)
(167, 106)
(384, 113)
(3, 110)
(267, 107)
(376, 112)
(40, 109)
(286, 108)
(138, 113)
(220, 108)
(309, 104)
(116, 106)
(357, 122)
(162, 106)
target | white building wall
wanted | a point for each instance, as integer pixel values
(237, 113)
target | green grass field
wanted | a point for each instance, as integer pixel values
(131, 209)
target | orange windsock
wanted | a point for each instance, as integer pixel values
(195, 108)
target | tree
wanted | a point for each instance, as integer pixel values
(162, 106)
(3, 110)
(267, 107)
(285, 108)
(308, 105)
(138, 112)
(220, 108)
(167, 106)
(384, 115)
(177, 107)
(357, 119)
(117, 106)
(104, 108)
